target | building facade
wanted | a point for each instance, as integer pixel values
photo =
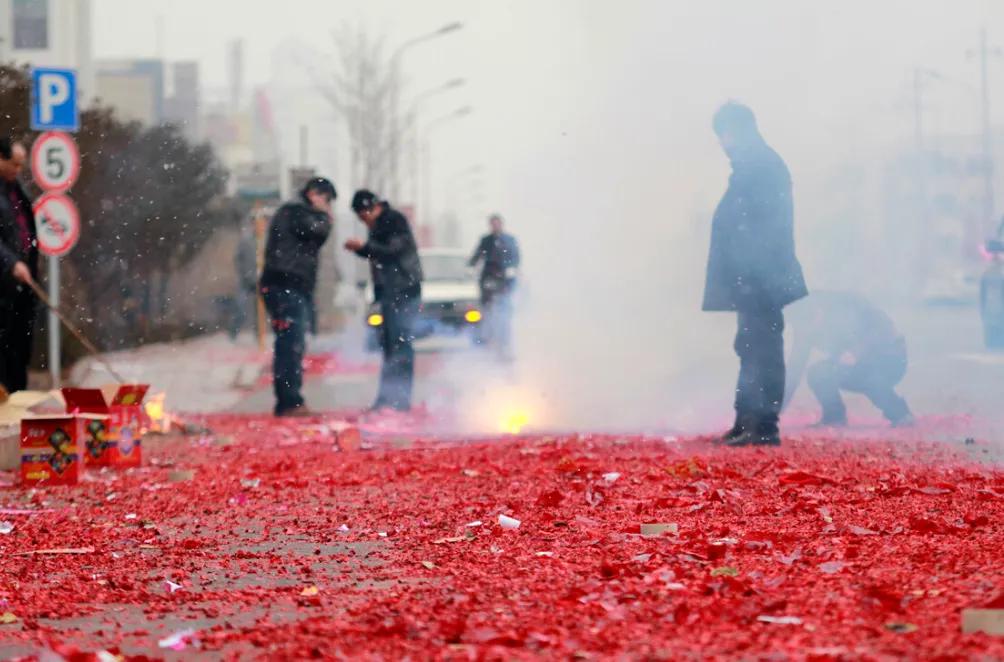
(50, 33)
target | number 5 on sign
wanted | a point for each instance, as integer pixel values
(55, 161)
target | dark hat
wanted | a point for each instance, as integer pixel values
(364, 199)
(319, 184)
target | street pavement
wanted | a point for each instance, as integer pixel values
(954, 385)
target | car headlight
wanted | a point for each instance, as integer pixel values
(376, 319)
(473, 316)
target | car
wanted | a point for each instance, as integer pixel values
(992, 296)
(450, 299)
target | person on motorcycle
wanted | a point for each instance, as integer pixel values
(498, 252)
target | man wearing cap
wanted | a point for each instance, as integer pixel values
(753, 270)
(292, 255)
(397, 287)
(18, 270)
(499, 254)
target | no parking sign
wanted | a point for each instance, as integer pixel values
(57, 223)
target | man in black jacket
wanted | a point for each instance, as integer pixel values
(397, 286)
(292, 254)
(752, 269)
(499, 254)
(18, 269)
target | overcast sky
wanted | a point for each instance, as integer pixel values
(606, 76)
(588, 110)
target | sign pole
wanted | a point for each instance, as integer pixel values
(55, 358)
(260, 229)
(55, 166)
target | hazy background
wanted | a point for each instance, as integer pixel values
(592, 122)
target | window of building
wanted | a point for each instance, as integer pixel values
(31, 24)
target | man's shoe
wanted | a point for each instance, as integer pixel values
(907, 421)
(734, 433)
(296, 412)
(753, 438)
(829, 423)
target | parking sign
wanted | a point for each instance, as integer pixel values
(54, 100)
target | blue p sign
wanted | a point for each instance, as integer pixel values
(54, 100)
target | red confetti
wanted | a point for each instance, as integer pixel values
(288, 548)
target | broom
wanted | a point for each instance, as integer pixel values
(88, 345)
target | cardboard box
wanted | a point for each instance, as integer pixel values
(52, 448)
(120, 443)
(21, 405)
(990, 621)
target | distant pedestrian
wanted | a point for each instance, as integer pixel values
(246, 268)
(18, 269)
(397, 287)
(752, 270)
(292, 256)
(863, 353)
(498, 252)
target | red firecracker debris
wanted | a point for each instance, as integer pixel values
(280, 545)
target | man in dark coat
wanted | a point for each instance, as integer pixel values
(864, 353)
(397, 286)
(246, 266)
(499, 254)
(292, 256)
(752, 270)
(18, 269)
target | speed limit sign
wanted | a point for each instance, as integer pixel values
(55, 161)
(57, 223)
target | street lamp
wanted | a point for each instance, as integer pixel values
(459, 113)
(395, 68)
(412, 120)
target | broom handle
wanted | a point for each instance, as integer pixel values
(88, 345)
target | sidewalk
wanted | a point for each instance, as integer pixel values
(213, 374)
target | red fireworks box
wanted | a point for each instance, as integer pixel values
(53, 447)
(122, 405)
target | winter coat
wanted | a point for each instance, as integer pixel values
(11, 249)
(751, 262)
(498, 254)
(393, 255)
(292, 252)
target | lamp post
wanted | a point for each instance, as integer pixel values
(459, 113)
(412, 122)
(395, 72)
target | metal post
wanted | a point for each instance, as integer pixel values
(988, 159)
(260, 228)
(918, 109)
(427, 183)
(303, 145)
(416, 171)
(55, 361)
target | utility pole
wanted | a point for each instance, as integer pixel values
(303, 145)
(988, 158)
(922, 209)
(918, 108)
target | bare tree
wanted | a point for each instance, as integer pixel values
(361, 88)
